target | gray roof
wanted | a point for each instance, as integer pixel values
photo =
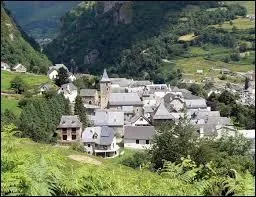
(105, 135)
(219, 121)
(125, 99)
(136, 117)
(88, 92)
(190, 96)
(139, 132)
(46, 86)
(140, 83)
(122, 82)
(205, 114)
(58, 66)
(149, 109)
(4, 64)
(109, 118)
(208, 129)
(105, 77)
(68, 86)
(70, 122)
(19, 66)
(195, 103)
(118, 89)
(162, 113)
(50, 70)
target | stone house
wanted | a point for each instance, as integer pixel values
(90, 96)
(69, 129)
(19, 68)
(71, 77)
(45, 88)
(69, 91)
(111, 118)
(138, 137)
(129, 103)
(100, 141)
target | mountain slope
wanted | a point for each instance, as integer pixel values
(137, 39)
(16, 47)
(40, 19)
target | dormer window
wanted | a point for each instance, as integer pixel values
(95, 136)
(63, 122)
(72, 122)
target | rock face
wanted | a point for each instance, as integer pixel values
(122, 12)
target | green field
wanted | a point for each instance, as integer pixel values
(10, 103)
(239, 23)
(31, 80)
(249, 5)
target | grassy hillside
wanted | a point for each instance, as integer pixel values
(40, 19)
(250, 5)
(30, 168)
(31, 80)
(11, 103)
(15, 47)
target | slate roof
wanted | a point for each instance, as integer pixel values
(18, 66)
(88, 92)
(149, 109)
(208, 129)
(71, 86)
(125, 99)
(136, 117)
(70, 122)
(46, 86)
(51, 70)
(162, 113)
(195, 103)
(105, 135)
(140, 83)
(58, 66)
(219, 120)
(204, 114)
(139, 132)
(122, 82)
(109, 118)
(105, 77)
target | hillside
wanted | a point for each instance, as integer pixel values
(30, 168)
(138, 39)
(16, 47)
(40, 19)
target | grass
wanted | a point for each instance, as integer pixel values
(187, 37)
(31, 80)
(10, 103)
(249, 5)
(239, 23)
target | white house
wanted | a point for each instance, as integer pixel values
(44, 88)
(100, 141)
(69, 91)
(71, 77)
(5, 66)
(140, 120)
(52, 73)
(19, 68)
(138, 137)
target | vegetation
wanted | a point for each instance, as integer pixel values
(62, 77)
(18, 85)
(226, 103)
(15, 47)
(81, 111)
(10, 103)
(86, 82)
(34, 119)
(30, 168)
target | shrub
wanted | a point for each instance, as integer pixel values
(77, 146)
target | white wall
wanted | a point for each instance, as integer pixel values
(130, 143)
(140, 122)
(53, 74)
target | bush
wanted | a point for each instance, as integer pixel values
(136, 160)
(77, 146)
(223, 77)
(18, 85)
(235, 57)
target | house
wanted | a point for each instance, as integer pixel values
(89, 96)
(100, 141)
(58, 66)
(199, 71)
(158, 90)
(69, 129)
(19, 68)
(140, 120)
(111, 118)
(195, 103)
(5, 66)
(129, 103)
(173, 102)
(90, 109)
(45, 88)
(214, 130)
(161, 115)
(138, 137)
(69, 91)
(71, 77)
(52, 73)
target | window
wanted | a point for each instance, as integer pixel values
(64, 137)
(73, 137)
(95, 136)
(137, 141)
(73, 130)
(147, 141)
(90, 102)
(89, 145)
(64, 131)
(107, 89)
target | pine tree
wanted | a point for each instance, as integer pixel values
(81, 111)
(62, 77)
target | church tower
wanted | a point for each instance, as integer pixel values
(105, 90)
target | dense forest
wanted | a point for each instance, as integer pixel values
(17, 47)
(133, 38)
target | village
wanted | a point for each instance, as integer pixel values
(125, 112)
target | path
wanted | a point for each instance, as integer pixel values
(85, 159)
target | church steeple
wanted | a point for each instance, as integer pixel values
(105, 77)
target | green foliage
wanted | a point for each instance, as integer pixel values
(15, 47)
(18, 85)
(77, 146)
(8, 117)
(85, 82)
(196, 89)
(62, 77)
(34, 119)
(81, 111)
(137, 160)
(246, 83)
